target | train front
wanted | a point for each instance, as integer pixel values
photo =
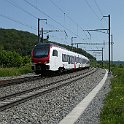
(40, 58)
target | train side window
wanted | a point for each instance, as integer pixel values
(55, 53)
(64, 58)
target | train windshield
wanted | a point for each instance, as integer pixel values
(41, 51)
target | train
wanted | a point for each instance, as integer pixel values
(51, 57)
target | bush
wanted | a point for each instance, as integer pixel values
(12, 59)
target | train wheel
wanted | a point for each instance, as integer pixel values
(37, 72)
(61, 70)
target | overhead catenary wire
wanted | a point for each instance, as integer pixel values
(49, 17)
(19, 22)
(34, 28)
(17, 6)
(65, 14)
(98, 8)
(52, 19)
(27, 12)
(93, 11)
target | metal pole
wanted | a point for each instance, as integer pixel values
(112, 49)
(102, 57)
(41, 35)
(109, 44)
(41, 30)
(77, 45)
(38, 30)
(72, 41)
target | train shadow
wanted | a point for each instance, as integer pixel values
(58, 73)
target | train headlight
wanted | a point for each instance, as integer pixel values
(46, 62)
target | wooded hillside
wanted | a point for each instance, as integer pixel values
(19, 41)
(22, 42)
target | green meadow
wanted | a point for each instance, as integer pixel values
(113, 110)
(15, 71)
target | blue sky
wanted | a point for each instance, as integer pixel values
(70, 16)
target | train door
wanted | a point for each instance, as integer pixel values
(54, 60)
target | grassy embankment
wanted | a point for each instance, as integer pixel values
(113, 110)
(13, 64)
(15, 71)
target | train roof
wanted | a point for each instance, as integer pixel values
(48, 45)
(42, 44)
(52, 44)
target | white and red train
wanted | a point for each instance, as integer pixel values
(47, 56)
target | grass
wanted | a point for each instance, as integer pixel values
(15, 71)
(113, 110)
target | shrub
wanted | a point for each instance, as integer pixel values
(12, 59)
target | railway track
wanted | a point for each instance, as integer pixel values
(15, 81)
(11, 100)
(20, 80)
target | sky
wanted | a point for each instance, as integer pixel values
(67, 21)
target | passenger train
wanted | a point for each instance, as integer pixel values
(50, 57)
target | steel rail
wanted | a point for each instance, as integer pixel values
(20, 80)
(39, 87)
(23, 96)
(15, 81)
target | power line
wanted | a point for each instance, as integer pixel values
(49, 17)
(56, 6)
(92, 9)
(17, 6)
(61, 10)
(90, 43)
(98, 7)
(9, 18)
